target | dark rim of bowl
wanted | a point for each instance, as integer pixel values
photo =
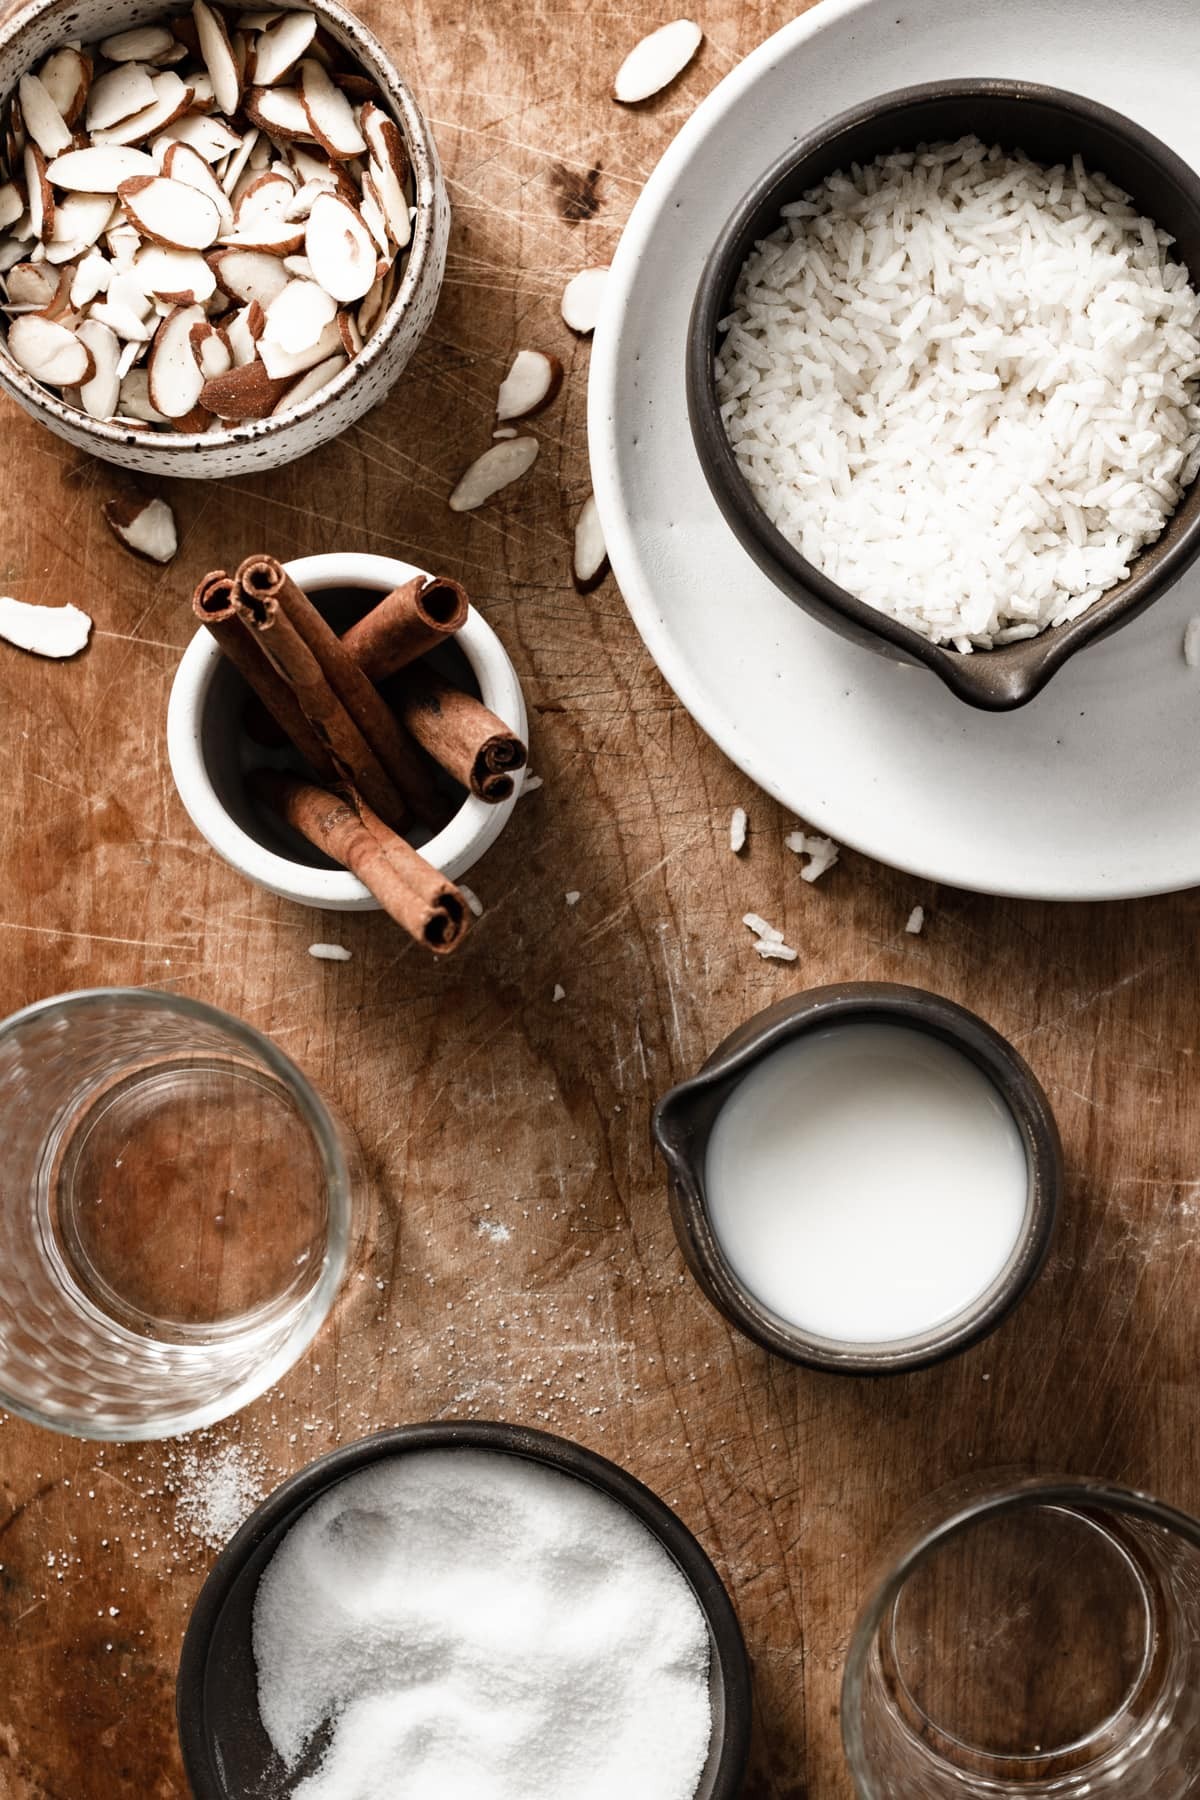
(419, 141)
(1009, 675)
(730, 1666)
(684, 1117)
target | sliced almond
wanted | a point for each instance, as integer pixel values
(100, 169)
(340, 249)
(143, 44)
(313, 382)
(352, 339)
(41, 194)
(265, 197)
(123, 320)
(239, 158)
(219, 59)
(245, 392)
(372, 217)
(243, 332)
(389, 171)
(80, 218)
(273, 237)
(300, 267)
(280, 363)
(11, 205)
(66, 76)
(44, 124)
(99, 396)
(330, 114)
(12, 251)
(503, 463)
(183, 277)
(372, 308)
(175, 378)
(195, 422)
(249, 274)
(301, 202)
(172, 100)
(531, 384)
(182, 163)
(279, 111)
(261, 152)
(212, 138)
(211, 349)
(297, 316)
(48, 351)
(582, 299)
(590, 558)
(654, 63)
(147, 527)
(135, 398)
(123, 243)
(203, 98)
(31, 284)
(261, 21)
(117, 95)
(90, 278)
(129, 355)
(280, 46)
(171, 212)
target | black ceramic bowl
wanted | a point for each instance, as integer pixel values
(683, 1123)
(1051, 127)
(227, 1754)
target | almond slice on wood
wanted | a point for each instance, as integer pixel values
(654, 63)
(590, 557)
(56, 631)
(143, 44)
(330, 114)
(249, 274)
(11, 205)
(100, 394)
(279, 111)
(243, 332)
(183, 277)
(44, 124)
(118, 94)
(147, 527)
(100, 169)
(212, 138)
(531, 384)
(281, 364)
(297, 316)
(245, 392)
(170, 212)
(48, 351)
(211, 349)
(219, 59)
(39, 192)
(280, 46)
(66, 76)
(80, 218)
(172, 100)
(582, 299)
(31, 284)
(175, 378)
(313, 382)
(182, 163)
(340, 249)
(135, 398)
(503, 463)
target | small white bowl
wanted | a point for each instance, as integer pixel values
(258, 443)
(201, 726)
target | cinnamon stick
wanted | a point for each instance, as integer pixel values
(409, 889)
(213, 605)
(406, 624)
(352, 757)
(262, 579)
(460, 733)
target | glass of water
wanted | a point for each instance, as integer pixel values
(1030, 1637)
(176, 1208)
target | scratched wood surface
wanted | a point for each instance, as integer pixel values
(525, 1267)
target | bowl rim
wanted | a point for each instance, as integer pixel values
(729, 1666)
(471, 830)
(996, 679)
(419, 140)
(752, 1042)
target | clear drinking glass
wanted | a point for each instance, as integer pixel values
(1034, 1637)
(175, 1213)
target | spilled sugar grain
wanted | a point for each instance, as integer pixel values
(215, 1489)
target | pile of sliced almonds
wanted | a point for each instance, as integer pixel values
(203, 219)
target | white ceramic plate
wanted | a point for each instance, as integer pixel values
(1090, 792)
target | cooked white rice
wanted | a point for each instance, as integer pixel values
(964, 387)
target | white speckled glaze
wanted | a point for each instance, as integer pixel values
(192, 725)
(258, 443)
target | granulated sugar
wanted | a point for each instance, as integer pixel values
(476, 1627)
(215, 1490)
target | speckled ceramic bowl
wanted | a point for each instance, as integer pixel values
(260, 443)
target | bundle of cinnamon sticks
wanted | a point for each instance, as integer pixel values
(366, 781)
